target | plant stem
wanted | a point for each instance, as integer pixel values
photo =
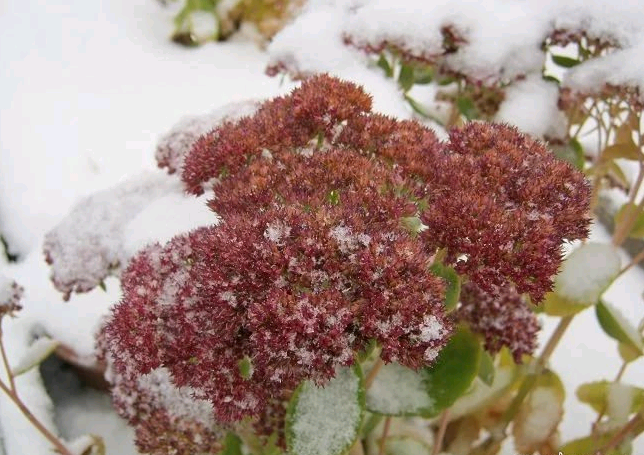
(5, 362)
(383, 438)
(440, 435)
(622, 434)
(60, 448)
(373, 373)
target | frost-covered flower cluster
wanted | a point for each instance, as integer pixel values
(10, 295)
(332, 216)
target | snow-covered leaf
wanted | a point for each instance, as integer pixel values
(602, 395)
(35, 354)
(617, 326)
(452, 284)
(540, 414)
(398, 390)
(326, 420)
(586, 273)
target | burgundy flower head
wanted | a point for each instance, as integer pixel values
(320, 252)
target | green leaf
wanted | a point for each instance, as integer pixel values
(481, 395)
(617, 326)
(245, 367)
(452, 282)
(550, 78)
(406, 77)
(486, 369)
(572, 153)
(565, 62)
(637, 231)
(423, 75)
(466, 107)
(454, 370)
(401, 391)
(326, 420)
(597, 395)
(232, 445)
(333, 197)
(386, 67)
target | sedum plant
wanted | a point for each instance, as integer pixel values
(369, 288)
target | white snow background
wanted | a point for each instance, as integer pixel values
(86, 89)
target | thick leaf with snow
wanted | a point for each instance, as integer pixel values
(586, 273)
(618, 327)
(326, 420)
(540, 414)
(604, 396)
(400, 391)
(34, 355)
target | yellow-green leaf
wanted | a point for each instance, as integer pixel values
(628, 353)
(596, 395)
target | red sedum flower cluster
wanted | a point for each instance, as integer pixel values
(321, 250)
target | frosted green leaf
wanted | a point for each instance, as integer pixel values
(617, 326)
(326, 420)
(587, 272)
(398, 390)
(35, 354)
